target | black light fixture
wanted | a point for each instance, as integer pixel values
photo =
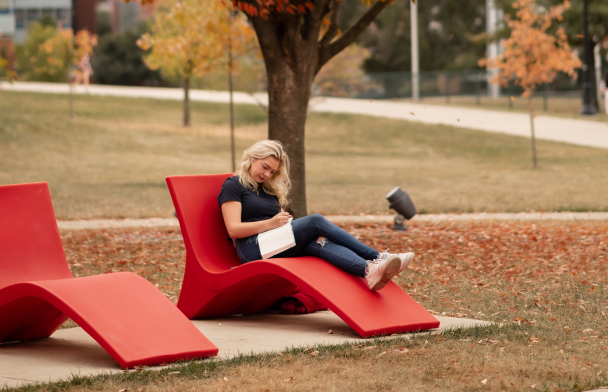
(400, 201)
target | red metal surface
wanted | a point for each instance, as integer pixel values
(131, 319)
(216, 284)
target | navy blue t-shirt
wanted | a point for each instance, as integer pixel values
(255, 207)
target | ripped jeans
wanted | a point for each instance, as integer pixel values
(316, 236)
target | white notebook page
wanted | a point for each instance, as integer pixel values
(276, 240)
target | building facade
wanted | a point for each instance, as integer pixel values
(26, 12)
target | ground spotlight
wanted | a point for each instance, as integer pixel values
(400, 201)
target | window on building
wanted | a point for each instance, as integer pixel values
(64, 17)
(50, 12)
(20, 19)
(33, 14)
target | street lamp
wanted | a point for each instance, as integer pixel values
(588, 108)
(415, 58)
(400, 201)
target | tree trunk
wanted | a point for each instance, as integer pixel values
(288, 95)
(231, 89)
(532, 139)
(186, 100)
(294, 51)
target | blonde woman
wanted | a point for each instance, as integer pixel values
(253, 201)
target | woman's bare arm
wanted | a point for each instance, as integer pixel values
(231, 211)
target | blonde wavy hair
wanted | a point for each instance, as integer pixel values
(279, 184)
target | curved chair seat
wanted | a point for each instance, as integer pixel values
(216, 284)
(129, 317)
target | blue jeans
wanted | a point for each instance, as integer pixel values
(339, 248)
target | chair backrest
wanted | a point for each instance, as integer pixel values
(30, 245)
(200, 218)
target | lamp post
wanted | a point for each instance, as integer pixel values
(588, 108)
(492, 17)
(415, 59)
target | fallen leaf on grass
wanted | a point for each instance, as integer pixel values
(290, 379)
(588, 330)
(314, 354)
(225, 378)
(484, 381)
(173, 373)
(533, 340)
(401, 350)
(382, 353)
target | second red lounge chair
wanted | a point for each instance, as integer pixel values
(129, 317)
(216, 284)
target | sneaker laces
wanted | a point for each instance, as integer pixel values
(377, 260)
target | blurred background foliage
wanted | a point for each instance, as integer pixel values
(32, 60)
(119, 61)
(452, 40)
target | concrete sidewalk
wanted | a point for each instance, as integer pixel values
(73, 352)
(574, 131)
(520, 216)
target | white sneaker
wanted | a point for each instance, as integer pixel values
(406, 259)
(381, 271)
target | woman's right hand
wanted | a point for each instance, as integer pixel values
(279, 219)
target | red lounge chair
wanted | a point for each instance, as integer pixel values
(131, 319)
(214, 287)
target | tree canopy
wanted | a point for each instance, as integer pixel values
(534, 52)
(49, 52)
(190, 37)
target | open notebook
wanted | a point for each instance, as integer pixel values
(276, 240)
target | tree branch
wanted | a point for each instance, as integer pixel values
(312, 20)
(332, 30)
(326, 52)
(268, 37)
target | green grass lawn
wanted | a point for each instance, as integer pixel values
(111, 159)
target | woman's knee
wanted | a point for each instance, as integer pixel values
(317, 218)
